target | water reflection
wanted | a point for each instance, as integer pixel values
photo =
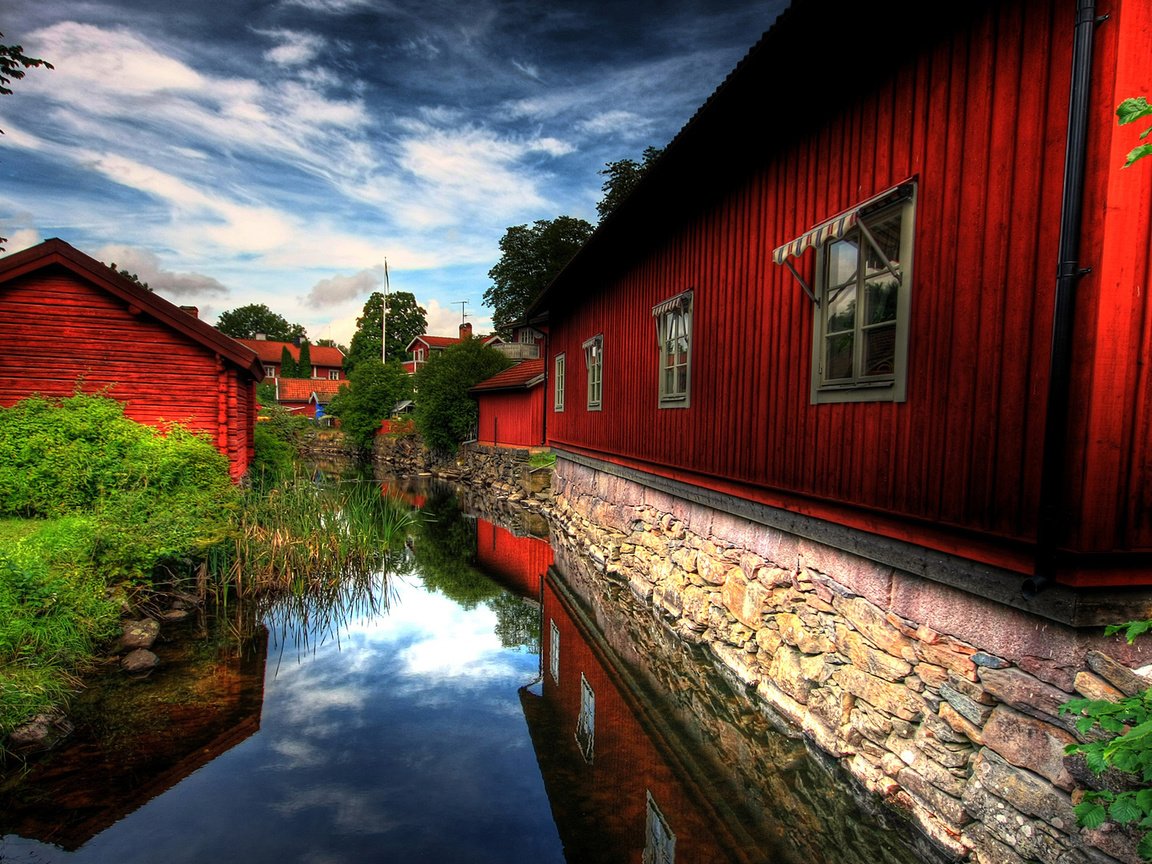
(473, 703)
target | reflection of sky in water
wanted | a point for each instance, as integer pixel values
(402, 742)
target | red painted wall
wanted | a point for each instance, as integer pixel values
(59, 330)
(519, 563)
(513, 418)
(978, 118)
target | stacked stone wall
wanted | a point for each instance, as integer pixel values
(940, 702)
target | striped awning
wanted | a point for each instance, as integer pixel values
(838, 225)
(833, 229)
(683, 300)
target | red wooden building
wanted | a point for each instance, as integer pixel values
(69, 321)
(511, 406)
(306, 396)
(327, 362)
(889, 288)
(517, 562)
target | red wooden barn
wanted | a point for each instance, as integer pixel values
(69, 321)
(327, 362)
(889, 288)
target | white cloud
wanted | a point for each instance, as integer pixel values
(294, 48)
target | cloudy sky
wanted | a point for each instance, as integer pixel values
(279, 151)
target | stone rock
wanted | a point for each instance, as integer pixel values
(989, 661)
(139, 634)
(873, 661)
(949, 654)
(893, 698)
(1025, 791)
(795, 632)
(42, 732)
(1117, 674)
(1029, 743)
(175, 615)
(988, 849)
(945, 806)
(1115, 841)
(874, 626)
(1028, 694)
(931, 674)
(138, 661)
(711, 568)
(960, 724)
(969, 709)
(1092, 687)
(788, 674)
(744, 599)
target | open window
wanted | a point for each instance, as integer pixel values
(861, 298)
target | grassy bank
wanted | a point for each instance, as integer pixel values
(93, 505)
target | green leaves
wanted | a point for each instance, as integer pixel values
(1129, 111)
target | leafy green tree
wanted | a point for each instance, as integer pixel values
(622, 177)
(1129, 111)
(304, 362)
(129, 275)
(245, 322)
(445, 414)
(406, 320)
(332, 343)
(373, 390)
(530, 257)
(13, 62)
(288, 368)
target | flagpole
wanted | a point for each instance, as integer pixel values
(384, 319)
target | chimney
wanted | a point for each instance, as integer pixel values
(261, 337)
(466, 330)
(191, 310)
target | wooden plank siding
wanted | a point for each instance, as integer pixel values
(978, 118)
(62, 333)
(511, 418)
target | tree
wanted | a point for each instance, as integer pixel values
(332, 343)
(530, 258)
(373, 390)
(406, 321)
(288, 367)
(304, 361)
(445, 413)
(245, 322)
(13, 62)
(622, 177)
(127, 274)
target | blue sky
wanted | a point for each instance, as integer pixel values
(278, 151)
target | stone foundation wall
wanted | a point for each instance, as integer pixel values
(940, 702)
(505, 473)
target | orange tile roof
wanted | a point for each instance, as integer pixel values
(270, 352)
(524, 375)
(301, 389)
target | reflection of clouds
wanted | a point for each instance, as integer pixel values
(351, 810)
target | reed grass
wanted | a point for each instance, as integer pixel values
(304, 539)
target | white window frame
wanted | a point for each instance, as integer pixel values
(673, 331)
(270, 371)
(888, 386)
(586, 721)
(333, 374)
(659, 841)
(594, 363)
(558, 383)
(554, 650)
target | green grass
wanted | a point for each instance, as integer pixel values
(542, 459)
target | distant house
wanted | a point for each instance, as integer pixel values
(68, 321)
(423, 347)
(327, 362)
(307, 396)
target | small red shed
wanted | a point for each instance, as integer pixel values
(511, 406)
(68, 321)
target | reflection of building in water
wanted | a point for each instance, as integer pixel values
(135, 740)
(622, 784)
(517, 562)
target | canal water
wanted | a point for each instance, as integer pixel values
(472, 704)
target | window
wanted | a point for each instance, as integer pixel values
(419, 353)
(269, 371)
(554, 650)
(860, 340)
(659, 841)
(594, 360)
(674, 334)
(586, 722)
(333, 374)
(526, 337)
(558, 384)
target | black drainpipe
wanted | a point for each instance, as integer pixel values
(1049, 531)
